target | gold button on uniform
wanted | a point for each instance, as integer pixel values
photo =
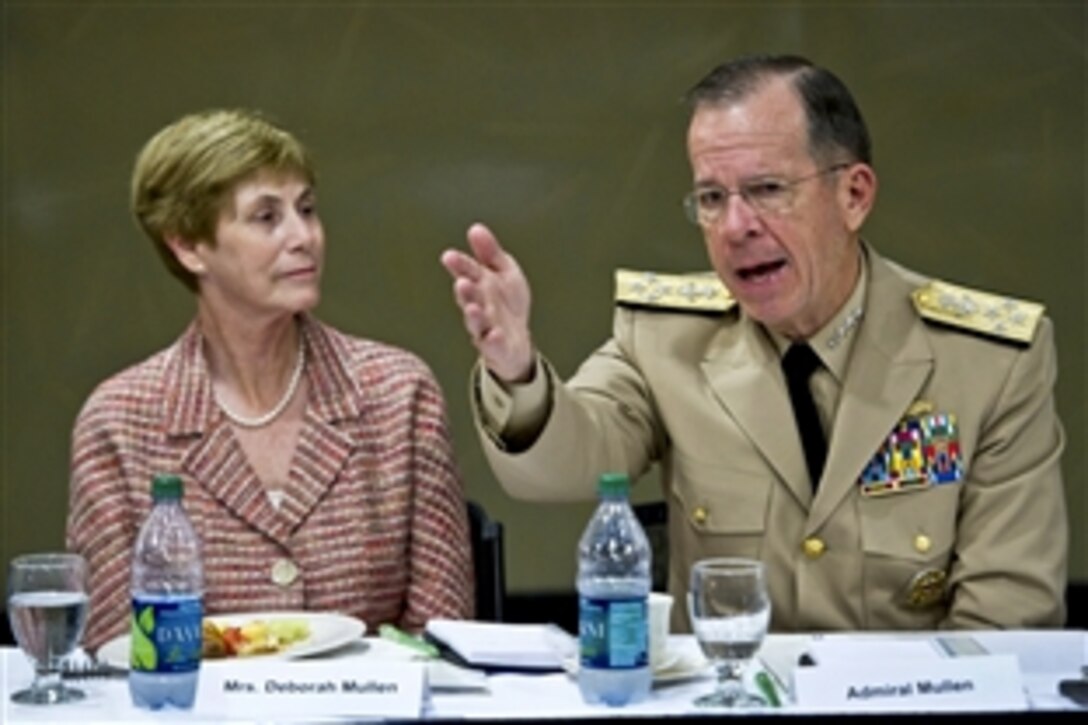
(699, 515)
(284, 572)
(922, 543)
(814, 547)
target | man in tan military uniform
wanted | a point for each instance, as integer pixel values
(939, 500)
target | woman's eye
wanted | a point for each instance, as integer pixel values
(266, 216)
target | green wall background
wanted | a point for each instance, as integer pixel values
(560, 125)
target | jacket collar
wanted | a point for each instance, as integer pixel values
(215, 457)
(889, 363)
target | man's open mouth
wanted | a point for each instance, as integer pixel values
(759, 271)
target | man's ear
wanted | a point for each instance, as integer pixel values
(858, 194)
(186, 253)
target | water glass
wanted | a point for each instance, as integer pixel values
(47, 608)
(730, 611)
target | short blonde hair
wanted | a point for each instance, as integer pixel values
(184, 175)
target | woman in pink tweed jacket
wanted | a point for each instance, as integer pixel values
(318, 467)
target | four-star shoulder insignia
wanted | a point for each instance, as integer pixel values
(701, 292)
(1001, 317)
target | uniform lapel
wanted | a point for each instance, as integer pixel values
(742, 369)
(890, 363)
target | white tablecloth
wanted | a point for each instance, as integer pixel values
(1045, 658)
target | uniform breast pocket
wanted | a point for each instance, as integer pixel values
(907, 542)
(720, 511)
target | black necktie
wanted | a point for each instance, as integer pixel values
(798, 364)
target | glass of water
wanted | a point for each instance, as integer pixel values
(730, 611)
(47, 607)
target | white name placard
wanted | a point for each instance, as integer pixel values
(990, 682)
(309, 688)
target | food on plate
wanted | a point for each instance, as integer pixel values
(255, 637)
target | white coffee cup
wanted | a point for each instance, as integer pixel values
(660, 609)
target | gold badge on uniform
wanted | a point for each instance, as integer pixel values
(921, 451)
(927, 588)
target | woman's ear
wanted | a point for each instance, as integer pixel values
(858, 194)
(186, 253)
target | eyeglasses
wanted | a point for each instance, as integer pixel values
(766, 195)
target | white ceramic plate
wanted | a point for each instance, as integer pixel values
(328, 631)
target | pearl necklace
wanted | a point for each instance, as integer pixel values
(263, 420)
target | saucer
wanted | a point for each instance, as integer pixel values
(683, 665)
(677, 665)
(669, 660)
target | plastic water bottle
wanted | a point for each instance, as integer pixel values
(613, 590)
(167, 603)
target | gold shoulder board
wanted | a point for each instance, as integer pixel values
(1001, 317)
(701, 292)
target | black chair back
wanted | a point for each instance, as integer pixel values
(7, 638)
(489, 562)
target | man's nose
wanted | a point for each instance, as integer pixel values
(738, 220)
